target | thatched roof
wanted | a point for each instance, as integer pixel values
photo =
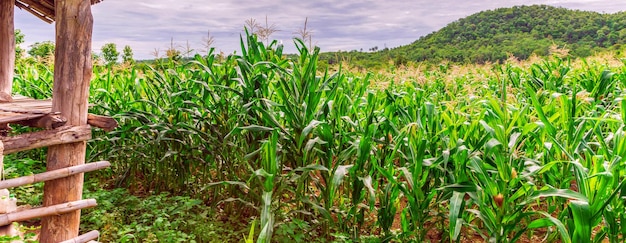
(43, 9)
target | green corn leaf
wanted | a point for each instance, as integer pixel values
(262, 173)
(318, 208)
(581, 213)
(488, 128)
(256, 128)
(513, 140)
(465, 186)
(616, 191)
(250, 238)
(367, 182)
(538, 107)
(624, 110)
(600, 235)
(547, 221)
(456, 204)
(233, 183)
(312, 142)
(338, 176)
(267, 219)
(305, 132)
(311, 167)
(552, 192)
(492, 143)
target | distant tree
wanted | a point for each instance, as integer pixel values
(110, 53)
(19, 39)
(127, 55)
(400, 60)
(96, 59)
(41, 49)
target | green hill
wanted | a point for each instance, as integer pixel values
(495, 34)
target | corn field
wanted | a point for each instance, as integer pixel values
(505, 153)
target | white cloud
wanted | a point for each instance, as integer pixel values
(147, 25)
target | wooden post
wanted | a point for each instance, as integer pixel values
(72, 73)
(7, 66)
(7, 48)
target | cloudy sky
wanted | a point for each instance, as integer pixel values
(149, 25)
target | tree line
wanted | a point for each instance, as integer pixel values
(44, 51)
(496, 35)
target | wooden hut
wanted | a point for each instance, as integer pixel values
(64, 119)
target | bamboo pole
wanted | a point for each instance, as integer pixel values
(59, 209)
(61, 135)
(72, 73)
(91, 235)
(7, 48)
(55, 174)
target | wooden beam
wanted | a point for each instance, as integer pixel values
(48, 3)
(49, 121)
(7, 48)
(104, 122)
(32, 11)
(43, 10)
(59, 209)
(55, 174)
(91, 235)
(72, 73)
(61, 135)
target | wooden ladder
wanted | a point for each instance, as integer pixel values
(36, 113)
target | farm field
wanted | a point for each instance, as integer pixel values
(266, 147)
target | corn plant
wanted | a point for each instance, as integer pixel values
(504, 152)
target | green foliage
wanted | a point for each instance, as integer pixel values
(110, 53)
(259, 146)
(18, 165)
(19, 39)
(127, 55)
(42, 50)
(518, 31)
(26, 235)
(121, 217)
(496, 35)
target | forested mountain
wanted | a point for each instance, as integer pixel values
(520, 31)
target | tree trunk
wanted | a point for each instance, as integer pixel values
(72, 73)
(7, 45)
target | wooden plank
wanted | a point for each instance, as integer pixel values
(61, 135)
(23, 108)
(49, 121)
(37, 113)
(55, 174)
(72, 73)
(7, 47)
(58, 209)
